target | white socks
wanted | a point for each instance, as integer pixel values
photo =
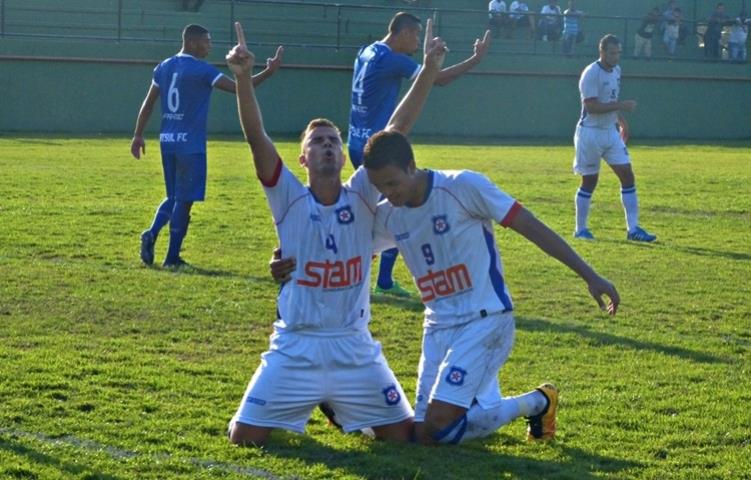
(482, 422)
(583, 200)
(631, 207)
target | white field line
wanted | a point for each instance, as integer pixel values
(120, 454)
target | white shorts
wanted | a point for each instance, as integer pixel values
(591, 144)
(460, 364)
(346, 370)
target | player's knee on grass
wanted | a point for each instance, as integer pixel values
(248, 435)
(395, 432)
(439, 417)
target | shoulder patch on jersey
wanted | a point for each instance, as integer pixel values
(456, 376)
(344, 215)
(391, 395)
(440, 224)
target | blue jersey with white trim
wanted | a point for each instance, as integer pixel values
(333, 246)
(449, 246)
(185, 84)
(376, 81)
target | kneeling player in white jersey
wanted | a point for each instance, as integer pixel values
(442, 222)
(321, 350)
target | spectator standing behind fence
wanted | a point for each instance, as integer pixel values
(498, 18)
(571, 27)
(520, 17)
(712, 36)
(643, 36)
(549, 25)
(672, 32)
(668, 14)
(738, 37)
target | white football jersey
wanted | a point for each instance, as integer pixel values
(449, 246)
(333, 245)
(605, 86)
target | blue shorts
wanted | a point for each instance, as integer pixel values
(185, 176)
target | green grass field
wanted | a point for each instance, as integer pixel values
(112, 370)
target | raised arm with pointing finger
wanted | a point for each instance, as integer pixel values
(240, 61)
(409, 109)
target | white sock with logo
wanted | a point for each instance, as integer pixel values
(583, 200)
(631, 207)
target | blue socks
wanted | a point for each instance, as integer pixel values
(178, 229)
(162, 216)
(388, 258)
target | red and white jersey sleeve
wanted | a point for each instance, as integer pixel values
(449, 246)
(333, 244)
(604, 86)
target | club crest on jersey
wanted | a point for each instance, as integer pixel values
(440, 225)
(391, 394)
(456, 376)
(344, 215)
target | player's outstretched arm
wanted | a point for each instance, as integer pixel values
(449, 74)
(272, 65)
(138, 145)
(240, 62)
(551, 243)
(408, 110)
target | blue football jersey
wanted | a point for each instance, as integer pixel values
(185, 85)
(376, 82)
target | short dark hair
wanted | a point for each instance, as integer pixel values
(194, 32)
(608, 40)
(318, 122)
(387, 148)
(401, 21)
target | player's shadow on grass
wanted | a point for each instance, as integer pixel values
(709, 252)
(411, 303)
(206, 272)
(35, 457)
(600, 338)
(475, 459)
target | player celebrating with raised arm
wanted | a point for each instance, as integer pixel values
(378, 72)
(597, 136)
(442, 222)
(321, 349)
(187, 81)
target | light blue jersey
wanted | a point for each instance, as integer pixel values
(185, 85)
(376, 81)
